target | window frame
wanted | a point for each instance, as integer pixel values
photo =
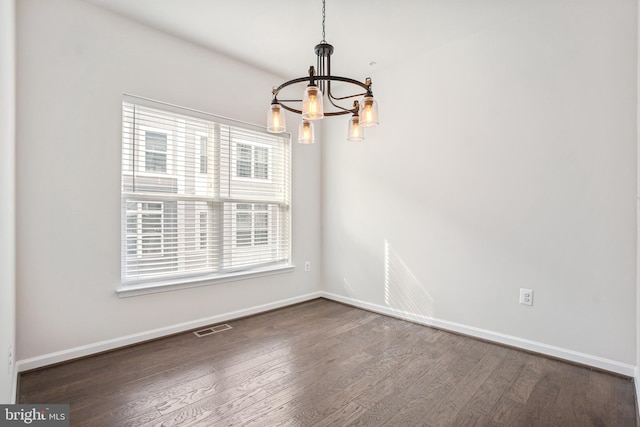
(215, 149)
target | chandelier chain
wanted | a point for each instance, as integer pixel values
(323, 18)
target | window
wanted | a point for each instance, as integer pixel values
(260, 163)
(151, 235)
(252, 224)
(203, 230)
(202, 197)
(203, 154)
(155, 152)
(252, 161)
(243, 161)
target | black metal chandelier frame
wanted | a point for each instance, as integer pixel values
(323, 52)
(324, 78)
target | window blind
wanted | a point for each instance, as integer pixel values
(201, 195)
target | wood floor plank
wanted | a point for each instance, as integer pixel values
(428, 387)
(471, 418)
(343, 416)
(506, 412)
(569, 407)
(209, 411)
(374, 387)
(448, 408)
(487, 396)
(428, 390)
(325, 363)
(625, 409)
(339, 352)
(240, 377)
(303, 392)
(542, 398)
(524, 384)
(600, 408)
(288, 396)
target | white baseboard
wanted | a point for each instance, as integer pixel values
(86, 350)
(549, 350)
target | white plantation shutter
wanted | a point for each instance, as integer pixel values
(202, 196)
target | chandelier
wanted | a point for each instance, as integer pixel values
(364, 110)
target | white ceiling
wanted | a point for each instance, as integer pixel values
(279, 35)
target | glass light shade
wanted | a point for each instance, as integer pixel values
(276, 120)
(305, 132)
(312, 103)
(355, 131)
(368, 112)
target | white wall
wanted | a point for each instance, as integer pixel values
(74, 63)
(503, 160)
(7, 197)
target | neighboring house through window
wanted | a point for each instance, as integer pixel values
(252, 161)
(252, 224)
(204, 151)
(155, 151)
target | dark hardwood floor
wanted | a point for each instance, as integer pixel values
(326, 364)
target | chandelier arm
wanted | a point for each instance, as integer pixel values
(322, 79)
(340, 98)
(329, 78)
(338, 113)
(330, 95)
(344, 80)
(289, 83)
(326, 114)
(350, 110)
(293, 110)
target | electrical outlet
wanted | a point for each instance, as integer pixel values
(526, 296)
(307, 266)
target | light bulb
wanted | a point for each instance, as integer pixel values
(369, 112)
(355, 131)
(276, 118)
(312, 108)
(305, 133)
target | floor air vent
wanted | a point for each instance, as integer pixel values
(212, 330)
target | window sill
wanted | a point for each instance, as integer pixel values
(193, 282)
